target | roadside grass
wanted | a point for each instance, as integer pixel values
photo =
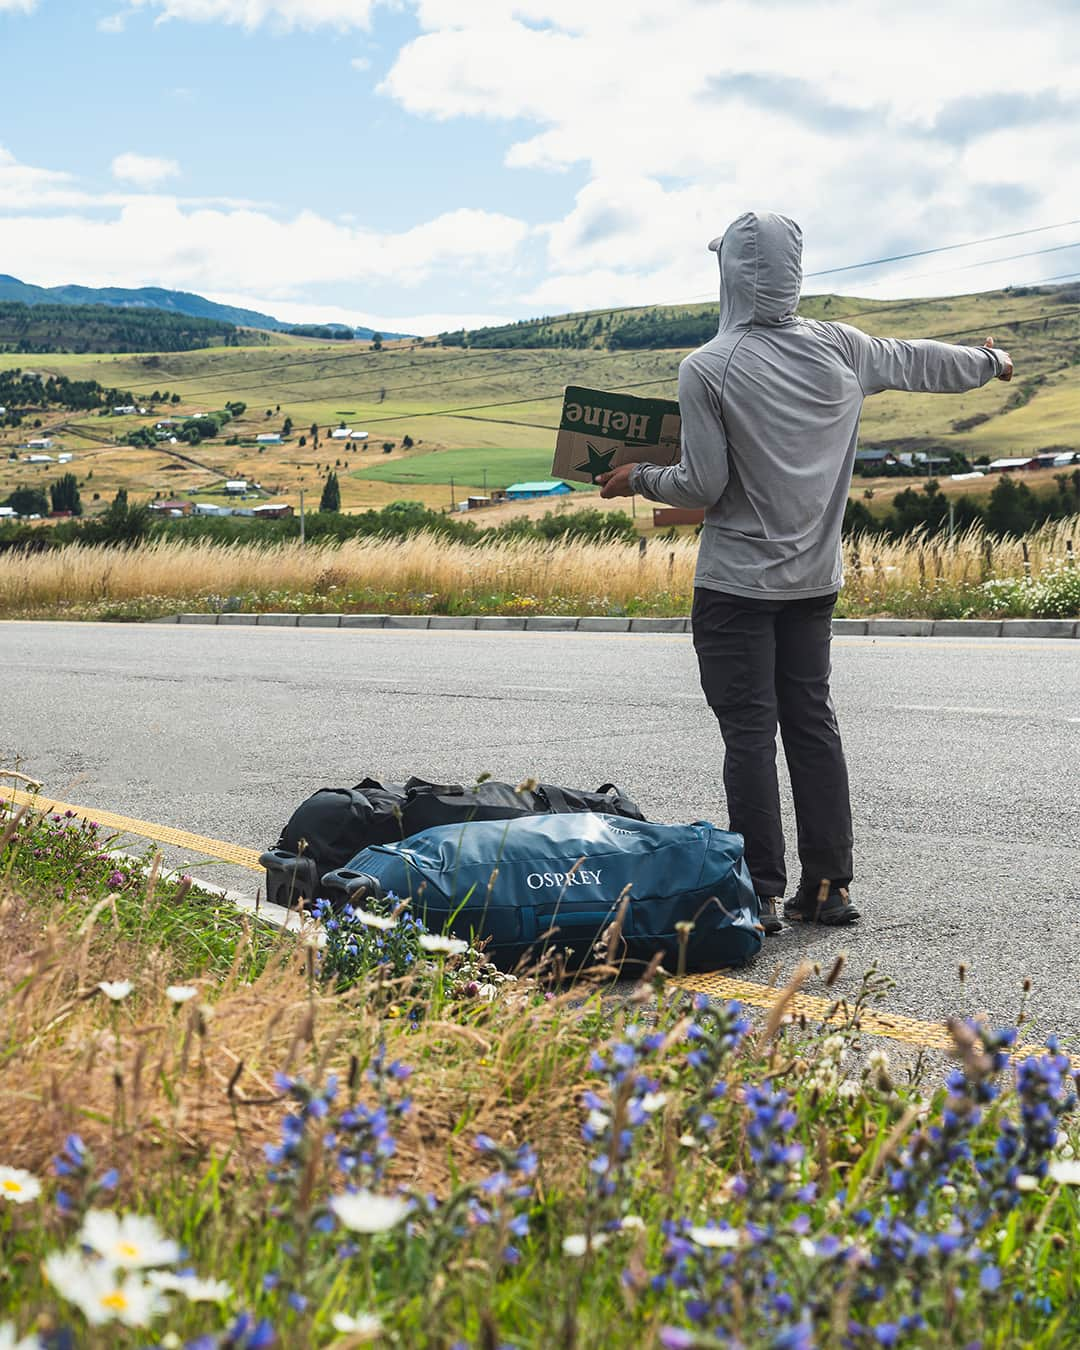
(306, 1154)
(974, 576)
(69, 872)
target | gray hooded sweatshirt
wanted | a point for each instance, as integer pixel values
(770, 419)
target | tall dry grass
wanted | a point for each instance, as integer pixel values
(144, 1081)
(425, 571)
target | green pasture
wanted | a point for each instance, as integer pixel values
(474, 468)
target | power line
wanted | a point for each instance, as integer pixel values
(942, 248)
(967, 267)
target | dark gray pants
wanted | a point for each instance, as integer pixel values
(765, 662)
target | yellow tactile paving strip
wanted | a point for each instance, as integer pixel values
(161, 834)
(893, 1026)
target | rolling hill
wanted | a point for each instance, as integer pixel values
(502, 404)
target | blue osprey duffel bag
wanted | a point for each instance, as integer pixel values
(558, 880)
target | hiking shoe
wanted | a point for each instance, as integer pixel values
(769, 914)
(834, 910)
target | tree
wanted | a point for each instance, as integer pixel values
(331, 494)
(65, 494)
(406, 442)
(286, 427)
(376, 342)
(26, 501)
(302, 442)
(387, 447)
(175, 398)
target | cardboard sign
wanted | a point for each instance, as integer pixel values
(599, 431)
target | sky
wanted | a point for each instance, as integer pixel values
(418, 165)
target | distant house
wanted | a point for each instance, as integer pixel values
(357, 435)
(165, 424)
(272, 511)
(1012, 465)
(7, 513)
(269, 438)
(342, 434)
(171, 508)
(970, 473)
(236, 487)
(874, 459)
(65, 458)
(211, 509)
(919, 459)
(522, 492)
(125, 410)
(1054, 459)
(40, 443)
(38, 459)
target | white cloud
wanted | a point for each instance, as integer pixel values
(20, 6)
(253, 14)
(160, 240)
(112, 23)
(421, 323)
(360, 63)
(871, 125)
(144, 170)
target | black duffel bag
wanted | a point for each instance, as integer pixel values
(325, 831)
(334, 824)
(431, 804)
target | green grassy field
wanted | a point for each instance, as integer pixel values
(497, 408)
(494, 469)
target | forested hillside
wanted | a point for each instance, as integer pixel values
(44, 328)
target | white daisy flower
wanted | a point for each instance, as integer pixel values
(807, 1247)
(631, 1222)
(653, 1101)
(1065, 1171)
(447, 946)
(180, 993)
(18, 1186)
(127, 1241)
(193, 1289)
(115, 989)
(1024, 1182)
(365, 1212)
(715, 1237)
(597, 1120)
(365, 1325)
(577, 1244)
(101, 1293)
(380, 921)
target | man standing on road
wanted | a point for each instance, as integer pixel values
(770, 423)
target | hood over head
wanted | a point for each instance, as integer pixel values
(760, 257)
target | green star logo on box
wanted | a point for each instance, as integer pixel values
(598, 462)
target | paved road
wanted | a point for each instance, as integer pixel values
(965, 758)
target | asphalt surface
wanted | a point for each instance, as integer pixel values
(964, 756)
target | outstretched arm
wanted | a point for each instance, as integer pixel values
(701, 474)
(922, 366)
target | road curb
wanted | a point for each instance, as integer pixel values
(596, 623)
